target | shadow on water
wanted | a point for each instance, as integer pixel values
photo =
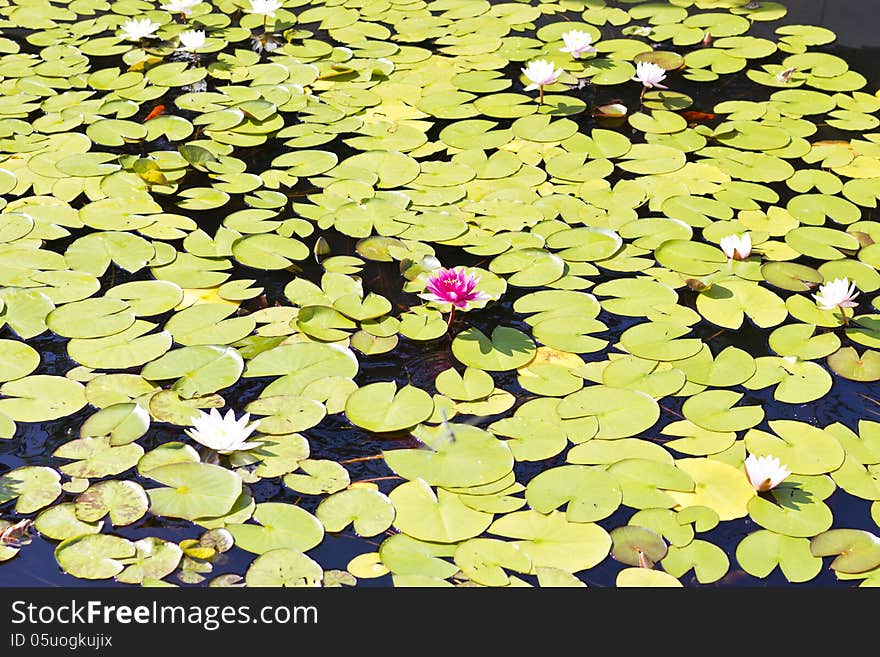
(418, 363)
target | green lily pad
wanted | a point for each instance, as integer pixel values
(381, 407)
(554, 542)
(155, 558)
(90, 318)
(804, 449)
(439, 517)
(645, 577)
(60, 522)
(405, 555)
(660, 341)
(534, 438)
(207, 324)
(41, 397)
(94, 556)
(277, 455)
(848, 363)
(708, 561)
(123, 422)
(795, 512)
(471, 385)
(762, 551)
(665, 523)
(455, 455)
(730, 367)
(621, 412)
(370, 511)
(17, 359)
(647, 483)
(32, 486)
(197, 370)
(321, 476)
(302, 363)
(124, 502)
(854, 550)
(166, 454)
(283, 567)
(801, 341)
(97, 457)
(651, 377)
(588, 493)
(506, 349)
(193, 490)
(484, 560)
(634, 545)
(607, 452)
(695, 440)
(799, 381)
(728, 302)
(286, 414)
(280, 526)
(129, 348)
(715, 410)
(718, 486)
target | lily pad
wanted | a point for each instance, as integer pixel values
(554, 542)
(381, 407)
(284, 567)
(94, 556)
(588, 493)
(32, 486)
(281, 526)
(454, 455)
(762, 551)
(370, 511)
(854, 550)
(506, 349)
(484, 560)
(124, 502)
(193, 490)
(439, 517)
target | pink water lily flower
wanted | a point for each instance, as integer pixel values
(839, 293)
(540, 73)
(650, 75)
(577, 43)
(455, 286)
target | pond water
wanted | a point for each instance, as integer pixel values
(352, 78)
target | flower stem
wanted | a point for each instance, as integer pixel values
(843, 316)
(540, 94)
(451, 315)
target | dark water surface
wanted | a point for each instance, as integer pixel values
(854, 22)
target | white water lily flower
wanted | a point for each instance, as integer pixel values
(765, 472)
(540, 73)
(839, 293)
(136, 29)
(650, 75)
(577, 43)
(192, 40)
(223, 433)
(264, 7)
(737, 247)
(184, 7)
